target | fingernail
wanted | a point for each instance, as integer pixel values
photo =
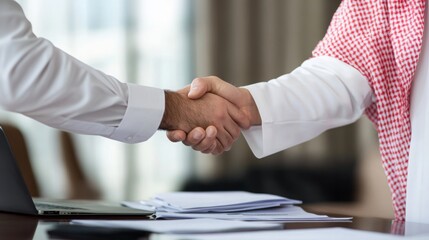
(197, 135)
(210, 132)
(175, 137)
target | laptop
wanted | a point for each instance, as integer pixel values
(15, 197)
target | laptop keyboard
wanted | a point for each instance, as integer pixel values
(47, 206)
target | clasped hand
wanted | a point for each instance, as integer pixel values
(214, 114)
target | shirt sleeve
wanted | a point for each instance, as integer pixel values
(321, 94)
(44, 83)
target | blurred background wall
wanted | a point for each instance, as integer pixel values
(166, 43)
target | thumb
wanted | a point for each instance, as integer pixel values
(215, 85)
(198, 88)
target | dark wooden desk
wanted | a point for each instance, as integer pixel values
(19, 227)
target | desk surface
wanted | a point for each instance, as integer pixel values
(13, 226)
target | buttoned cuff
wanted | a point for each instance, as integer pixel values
(143, 115)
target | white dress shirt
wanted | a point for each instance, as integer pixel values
(324, 93)
(44, 83)
(321, 94)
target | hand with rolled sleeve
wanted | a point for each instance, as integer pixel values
(43, 82)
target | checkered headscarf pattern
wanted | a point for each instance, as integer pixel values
(382, 39)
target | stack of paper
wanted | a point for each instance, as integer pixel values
(276, 214)
(193, 202)
(228, 206)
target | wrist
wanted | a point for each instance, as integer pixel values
(251, 109)
(173, 113)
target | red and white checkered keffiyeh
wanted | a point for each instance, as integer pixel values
(382, 39)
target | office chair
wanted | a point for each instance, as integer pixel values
(80, 186)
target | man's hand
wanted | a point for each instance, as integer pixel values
(203, 139)
(186, 114)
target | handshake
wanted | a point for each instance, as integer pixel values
(209, 114)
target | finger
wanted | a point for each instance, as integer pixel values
(238, 116)
(211, 132)
(176, 135)
(233, 129)
(200, 86)
(207, 143)
(224, 137)
(195, 136)
(231, 125)
(211, 149)
(218, 150)
(228, 130)
(231, 134)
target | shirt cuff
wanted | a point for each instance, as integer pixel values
(143, 115)
(254, 135)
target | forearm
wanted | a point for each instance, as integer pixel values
(321, 94)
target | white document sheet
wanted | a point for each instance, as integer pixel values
(286, 213)
(214, 201)
(304, 234)
(182, 226)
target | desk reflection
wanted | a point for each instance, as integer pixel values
(17, 227)
(20, 227)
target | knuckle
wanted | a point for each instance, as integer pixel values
(236, 133)
(197, 148)
(229, 143)
(219, 113)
